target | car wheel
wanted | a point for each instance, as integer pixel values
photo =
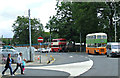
(107, 55)
(110, 55)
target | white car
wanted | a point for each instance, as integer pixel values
(48, 49)
(43, 50)
(14, 54)
(113, 49)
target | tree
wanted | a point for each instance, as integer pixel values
(72, 19)
(21, 30)
(6, 41)
(109, 11)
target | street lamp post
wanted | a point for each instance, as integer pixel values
(30, 33)
(80, 41)
(115, 32)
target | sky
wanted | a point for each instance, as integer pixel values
(10, 9)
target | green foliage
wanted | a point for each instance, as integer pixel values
(74, 18)
(6, 41)
(110, 10)
(21, 30)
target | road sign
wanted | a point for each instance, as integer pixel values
(40, 39)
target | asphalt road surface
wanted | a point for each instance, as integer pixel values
(102, 66)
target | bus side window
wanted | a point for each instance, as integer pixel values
(108, 46)
(95, 45)
(99, 44)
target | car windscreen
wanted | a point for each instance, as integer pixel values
(7, 51)
(4, 50)
(115, 46)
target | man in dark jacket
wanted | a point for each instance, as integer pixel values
(8, 65)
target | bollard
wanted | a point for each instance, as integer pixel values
(50, 55)
(52, 58)
(40, 58)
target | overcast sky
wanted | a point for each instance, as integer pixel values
(10, 9)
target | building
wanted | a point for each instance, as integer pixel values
(1, 43)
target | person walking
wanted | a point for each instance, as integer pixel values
(23, 65)
(108, 52)
(19, 64)
(8, 65)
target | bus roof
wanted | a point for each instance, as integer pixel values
(113, 43)
(59, 39)
(96, 34)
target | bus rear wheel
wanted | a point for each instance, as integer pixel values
(88, 52)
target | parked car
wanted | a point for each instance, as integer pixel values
(8, 47)
(43, 50)
(113, 49)
(48, 49)
(38, 50)
(14, 54)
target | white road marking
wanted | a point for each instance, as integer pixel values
(70, 56)
(112, 58)
(90, 55)
(96, 56)
(75, 69)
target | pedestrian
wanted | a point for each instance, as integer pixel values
(19, 63)
(108, 52)
(8, 65)
(23, 65)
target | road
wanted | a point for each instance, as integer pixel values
(75, 65)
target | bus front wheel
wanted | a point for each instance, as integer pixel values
(107, 55)
(95, 52)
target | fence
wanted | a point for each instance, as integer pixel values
(26, 52)
(36, 46)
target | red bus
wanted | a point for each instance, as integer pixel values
(58, 45)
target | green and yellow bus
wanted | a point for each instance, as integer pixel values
(96, 43)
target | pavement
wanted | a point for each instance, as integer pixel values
(44, 61)
(61, 65)
(64, 65)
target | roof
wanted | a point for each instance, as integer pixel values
(59, 39)
(1, 42)
(96, 34)
(113, 43)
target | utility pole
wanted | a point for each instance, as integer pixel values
(115, 31)
(30, 33)
(80, 41)
(50, 37)
(115, 19)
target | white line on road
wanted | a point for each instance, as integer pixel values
(70, 56)
(75, 69)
